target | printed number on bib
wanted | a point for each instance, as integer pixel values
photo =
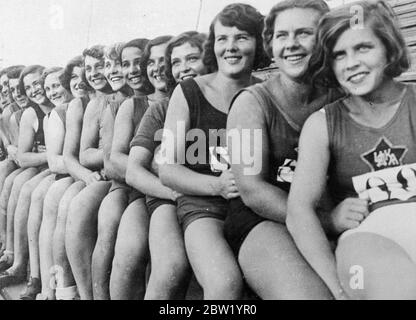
(286, 171)
(397, 183)
(219, 159)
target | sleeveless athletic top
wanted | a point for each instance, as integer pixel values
(208, 145)
(61, 110)
(14, 108)
(377, 164)
(283, 130)
(39, 139)
(141, 104)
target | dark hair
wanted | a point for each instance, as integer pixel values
(380, 17)
(194, 38)
(245, 18)
(146, 54)
(140, 44)
(318, 5)
(65, 77)
(29, 70)
(14, 72)
(96, 51)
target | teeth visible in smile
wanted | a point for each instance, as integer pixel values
(158, 78)
(116, 79)
(358, 77)
(188, 76)
(295, 58)
(232, 59)
(135, 79)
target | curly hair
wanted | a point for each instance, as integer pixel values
(194, 38)
(146, 54)
(96, 51)
(245, 18)
(318, 5)
(378, 16)
(113, 52)
(65, 77)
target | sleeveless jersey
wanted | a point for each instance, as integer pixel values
(61, 110)
(377, 164)
(282, 129)
(39, 139)
(206, 151)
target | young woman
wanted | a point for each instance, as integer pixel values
(30, 186)
(234, 48)
(121, 199)
(95, 148)
(170, 267)
(73, 79)
(9, 165)
(265, 122)
(119, 133)
(153, 61)
(54, 126)
(131, 247)
(365, 144)
(23, 102)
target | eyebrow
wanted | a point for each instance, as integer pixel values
(366, 43)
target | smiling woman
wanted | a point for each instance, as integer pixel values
(233, 48)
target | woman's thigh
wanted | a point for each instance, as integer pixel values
(275, 269)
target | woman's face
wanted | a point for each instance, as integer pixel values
(55, 92)
(34, 88)
(156, 67)
(94, 72)
(294, 40)
(130, 62)
(114, 74)
(187, 62)
(359, 60)
(234, 49)
(76, 84)
(17, 95)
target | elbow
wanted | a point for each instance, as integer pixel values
(22, 161)
(53, 165)
(248, 196)
(292, 218)
(83, 159)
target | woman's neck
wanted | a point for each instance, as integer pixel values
(138, 93)
(232, 85)
(297, 90)
(46, 107)
(158, 95)
(388, 94)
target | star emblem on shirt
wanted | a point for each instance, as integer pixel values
(384, 155)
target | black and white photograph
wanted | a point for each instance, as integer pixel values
(214, 150)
